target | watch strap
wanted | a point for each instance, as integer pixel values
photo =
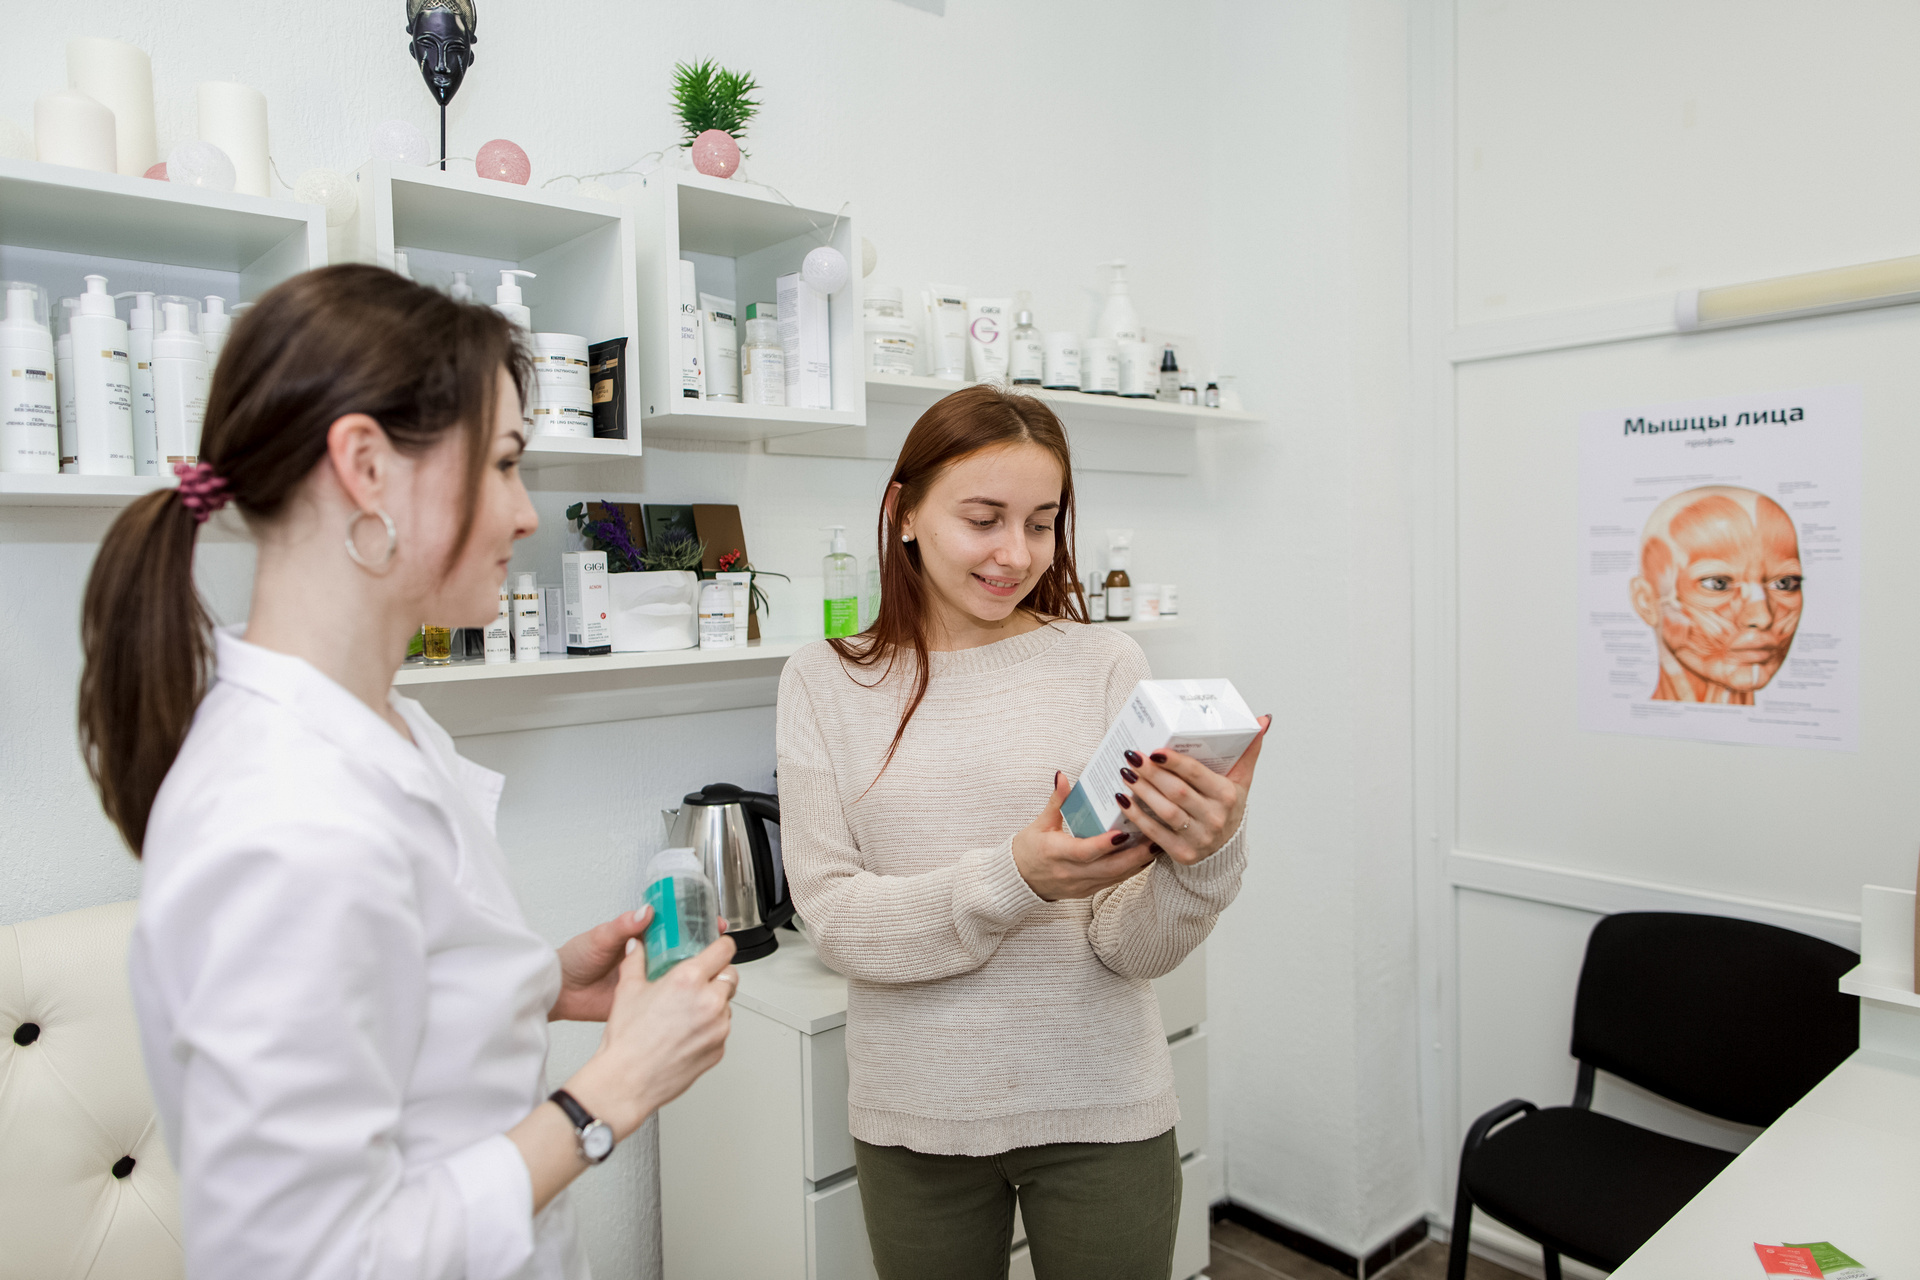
(579, 1115)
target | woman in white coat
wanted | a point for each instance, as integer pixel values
(342, 1009)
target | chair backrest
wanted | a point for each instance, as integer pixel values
(1729, 1017)
(86, 1188)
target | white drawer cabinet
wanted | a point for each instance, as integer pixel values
(756, 1164)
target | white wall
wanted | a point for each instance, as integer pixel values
(1004, 146)
(1313, 972)
(1615, 152)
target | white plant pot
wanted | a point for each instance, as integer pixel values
(651, 612)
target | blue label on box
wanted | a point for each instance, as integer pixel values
(1077, 812)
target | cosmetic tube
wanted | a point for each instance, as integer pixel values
(988, 336)
(693, 383)
(720, 341)
(946, 309)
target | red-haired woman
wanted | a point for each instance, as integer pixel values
(1002, 1036)
(342, 1009)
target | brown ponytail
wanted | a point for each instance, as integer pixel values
(330, 342)
(980, 417)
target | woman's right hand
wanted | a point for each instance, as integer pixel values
(660, 1036)
(1058, 864)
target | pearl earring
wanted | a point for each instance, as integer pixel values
(906, 537)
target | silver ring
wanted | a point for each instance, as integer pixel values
(393, 540)
(1183, 830)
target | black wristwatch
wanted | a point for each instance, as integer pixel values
(596, 1136)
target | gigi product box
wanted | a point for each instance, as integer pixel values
(584, 588)
(1205, 719)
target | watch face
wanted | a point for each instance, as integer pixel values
(596, 1141)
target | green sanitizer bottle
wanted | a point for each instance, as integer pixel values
(842, 574)
(684, 921)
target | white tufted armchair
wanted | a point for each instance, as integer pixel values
(86, 1189)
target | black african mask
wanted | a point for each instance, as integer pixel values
(444, 33)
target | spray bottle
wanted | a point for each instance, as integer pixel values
(102, 384)
(29, 396)
(1119, 321)
(841, 574)
(506, 298)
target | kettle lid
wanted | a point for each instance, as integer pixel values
(716, 793)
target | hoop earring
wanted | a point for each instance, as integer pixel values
(393, 540)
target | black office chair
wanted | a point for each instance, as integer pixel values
(1728, 1017)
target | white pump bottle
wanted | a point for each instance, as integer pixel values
(29, 396)
(146, 451)
(215, 324)
(1119, 321)
(460, 290)
(102, 385)
(179, 384)
(506, 298)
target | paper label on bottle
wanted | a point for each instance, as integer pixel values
(842, 617)
(1120, 603)
(1026, 360)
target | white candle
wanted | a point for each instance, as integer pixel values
(234, 118)
(71, 128)
(118, 76)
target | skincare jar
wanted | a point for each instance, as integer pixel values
(1062, 361)
(559, 360)
(890, 344)
(563, 411)
(1100, 367)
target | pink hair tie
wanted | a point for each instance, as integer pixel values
(201, 491)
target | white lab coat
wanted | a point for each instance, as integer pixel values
(341, 1007)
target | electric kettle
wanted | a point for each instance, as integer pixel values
(726, 827)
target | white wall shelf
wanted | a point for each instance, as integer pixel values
(468, 670)
(1108, 433)
(581, 251)
(76, 491)
(922, 393)
(740, 238)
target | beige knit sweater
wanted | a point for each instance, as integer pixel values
(979, 1017)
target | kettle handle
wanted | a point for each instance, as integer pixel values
(762, 809)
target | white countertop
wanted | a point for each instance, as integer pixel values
(1842, 1165)
(793, 988)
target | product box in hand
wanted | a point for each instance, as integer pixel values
(1205, 719)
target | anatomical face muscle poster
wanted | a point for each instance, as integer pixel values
(1720, 569)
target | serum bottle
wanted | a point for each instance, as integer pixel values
(499, 633)
(1169, 392)
(1119, 585)
(526, 619)
(1027, 356)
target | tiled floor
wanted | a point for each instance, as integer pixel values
(1240, 1254)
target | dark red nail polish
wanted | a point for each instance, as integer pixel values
(1119, 837)
(1125, 801)
(1133, 758)
(1159, 757)
(1129, 774)
(1154, 848)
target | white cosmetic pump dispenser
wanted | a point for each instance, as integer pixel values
(63, 360)
(526, 619)
(102, 384)
(460, 290)
(215, 324)
(499, 632)
(146, 446)
(1119, 321)
(179, 385)
(506, 298)
(29, 394)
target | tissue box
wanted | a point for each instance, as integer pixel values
(1205, 719)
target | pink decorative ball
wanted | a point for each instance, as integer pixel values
(503, 162)
(716, 154)
(158, 171)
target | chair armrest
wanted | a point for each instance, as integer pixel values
(1488, 1122)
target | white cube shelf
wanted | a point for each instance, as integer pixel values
(740, 238)
(59, 224)
(581, 251)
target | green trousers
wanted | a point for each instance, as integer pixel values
(1098, 1210)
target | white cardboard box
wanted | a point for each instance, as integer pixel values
(1205, 719)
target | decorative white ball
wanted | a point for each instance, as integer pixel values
(825, 269)
(869, 256)
(399, 142)
(592, 189)
(334, 190)
(15, 143)
(200, 164)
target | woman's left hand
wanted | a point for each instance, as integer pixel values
(1186, 809)
(590, 967)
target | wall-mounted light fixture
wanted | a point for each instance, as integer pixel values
(1871, 284)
